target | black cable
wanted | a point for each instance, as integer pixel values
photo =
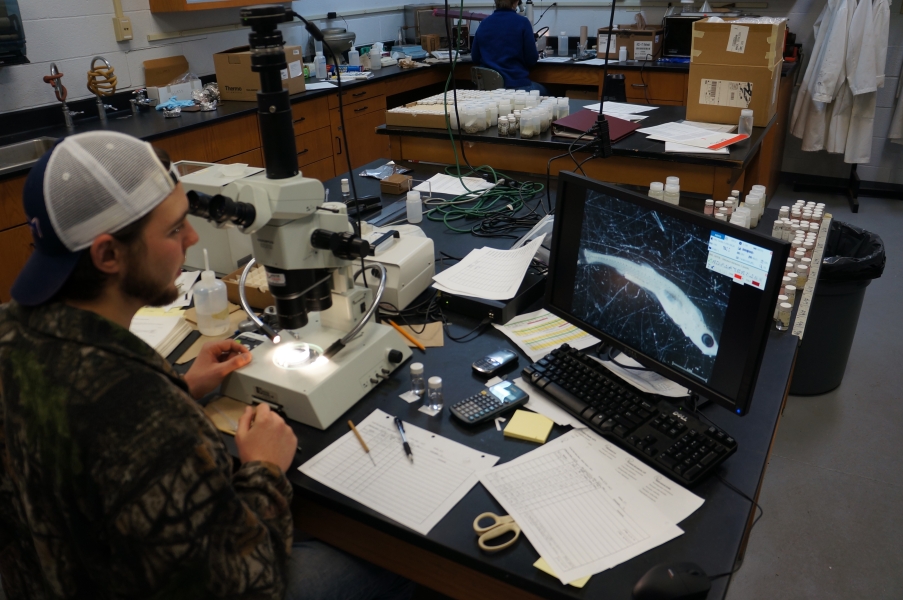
(735, 489)
(318, 35)
(544, 14)
(462, 339)
(452, 63)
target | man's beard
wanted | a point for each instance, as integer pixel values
(138, 284)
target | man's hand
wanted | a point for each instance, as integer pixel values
(216, 360)
(263, 435)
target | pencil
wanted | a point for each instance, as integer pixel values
(361, 440)
(409, 337)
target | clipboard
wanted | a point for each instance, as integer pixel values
(572, 126)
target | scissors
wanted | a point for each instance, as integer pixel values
(499, 527)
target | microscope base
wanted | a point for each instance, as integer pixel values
(319, 393)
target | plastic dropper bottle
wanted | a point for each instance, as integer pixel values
(211, 302)
(346, 192)
(320, 64)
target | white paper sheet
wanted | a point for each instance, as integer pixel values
(488, 273)
(220, 175)
(184, 283)
(674, 147)
(643, 379)
(676, 502)
(538, 333)
(540, 403)
(555, 59)
(620, 107)
(446, 184)
(320, 85)
(597, 61)
(417, 495)
(576, 509)
(687, 134)
(711, 126)
(161, 332)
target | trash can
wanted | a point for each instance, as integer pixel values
(853, 257)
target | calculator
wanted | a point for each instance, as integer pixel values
(489, 404)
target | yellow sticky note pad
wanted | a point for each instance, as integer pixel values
(526, 425)
(543, 566)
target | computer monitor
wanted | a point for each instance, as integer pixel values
(689, 297)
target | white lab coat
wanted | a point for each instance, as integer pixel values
(804, 104)
(841, 109)
(865, 66)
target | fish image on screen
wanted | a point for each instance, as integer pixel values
(642, 278)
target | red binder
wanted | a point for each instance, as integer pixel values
(573, 125)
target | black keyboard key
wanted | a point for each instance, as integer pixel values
(668, 461)
(692, 472)
(708, 458)
(621, 431)
(569, 400)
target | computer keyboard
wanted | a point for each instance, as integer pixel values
(667, 438)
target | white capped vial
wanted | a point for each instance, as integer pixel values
(784, 212)
(735, 194)
(781, 299)
(794, 279)
(729, 205)
(807, 262)
(785, 281)
(802, 272)
(721, 216)
(777, 229)
(672, 180)
(782, 323)
(672, 193)
(790, 292)
(709, 207)
(808, 247)
(657, 190)
(813, 227)
(418, 384)
(434, 400)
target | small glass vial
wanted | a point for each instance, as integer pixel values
(784, 212)
(718, 204)
(672, 194)
(723, 211)
(802, 272)
(735, 195)
(813, 227)
(657, 190)
(777, 230)
(785, 281)
(807, 262)
(709, 207)
(746, 122)
(503, 126)
(672, 180)
(729, 205)
(781, 299)
(794, 279)
(790, 292)
(782, 323)
(721, 216)
(418, 383)
(433, 399)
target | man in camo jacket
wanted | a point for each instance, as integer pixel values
(113, 483)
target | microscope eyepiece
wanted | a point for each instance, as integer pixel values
(220, 209)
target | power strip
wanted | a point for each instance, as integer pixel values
(802, 312)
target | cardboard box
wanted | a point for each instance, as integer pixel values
(642, 44)
(256, 298)
(237, 81)
(160, 72)
(397, 183)
(732, 67)
(429, 116)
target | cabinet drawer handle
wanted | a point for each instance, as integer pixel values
(361, 109)
(339, 140)
(639, 85)
(305, 151)
(299, 119)
(358, 94)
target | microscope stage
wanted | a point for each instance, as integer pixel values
(319, 392)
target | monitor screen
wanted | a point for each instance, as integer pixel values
(687, 296)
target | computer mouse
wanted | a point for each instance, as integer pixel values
(673, 581)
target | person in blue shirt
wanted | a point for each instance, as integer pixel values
(504, 42)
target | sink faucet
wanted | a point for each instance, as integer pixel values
(141, 100)
(55, 80)
(101, 82)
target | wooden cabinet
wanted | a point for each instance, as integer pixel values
(16, 246)
(214, 142)
(358, 93)
(361, 120)
(322, 170)
(310, 115)
(11, 211)
(252, 158)
(656, 87)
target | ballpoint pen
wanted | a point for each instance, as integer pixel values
(407, 446)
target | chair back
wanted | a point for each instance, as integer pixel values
(486, 79)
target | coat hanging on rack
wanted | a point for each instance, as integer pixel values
(896, 122)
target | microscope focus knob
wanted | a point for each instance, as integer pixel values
(395, 356)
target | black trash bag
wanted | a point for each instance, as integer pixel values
(851, 254)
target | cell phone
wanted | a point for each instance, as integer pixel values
(491, 363)
(488, 404)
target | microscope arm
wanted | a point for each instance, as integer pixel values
(243, 296)
(339, 344)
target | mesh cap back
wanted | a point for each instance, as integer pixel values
(99, 182)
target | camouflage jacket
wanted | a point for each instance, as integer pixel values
(113, 483)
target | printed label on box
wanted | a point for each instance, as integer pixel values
(295, 69)
(737, 41)
(284, 73)
(612, 41)
(642, 50)
(719, 92)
